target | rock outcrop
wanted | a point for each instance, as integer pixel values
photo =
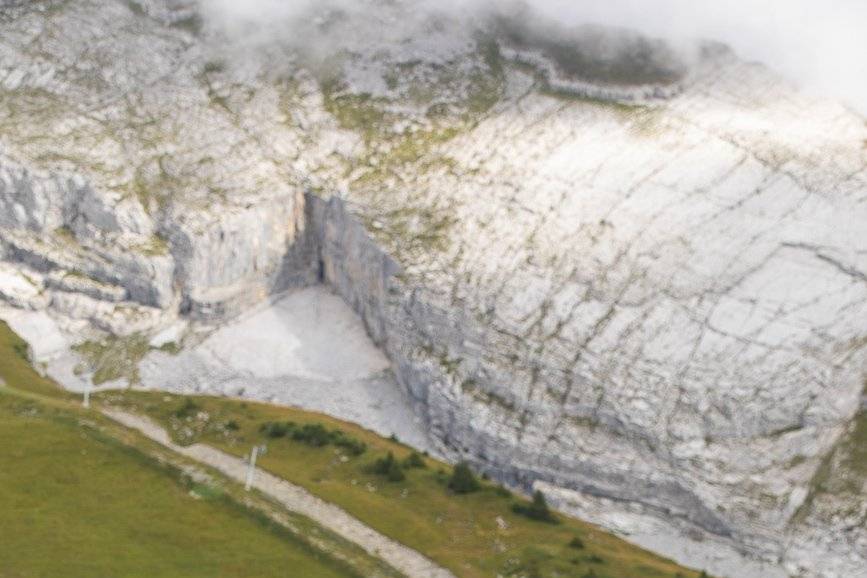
(657, 304)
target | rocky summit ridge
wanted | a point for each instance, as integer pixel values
(642, 287)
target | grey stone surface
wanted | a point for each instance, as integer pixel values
(655, 303)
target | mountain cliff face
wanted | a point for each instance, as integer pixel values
(642, 289)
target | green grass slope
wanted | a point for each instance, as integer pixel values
(75, 503)
(83, 497)
(475, 535)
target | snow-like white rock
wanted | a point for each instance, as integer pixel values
(658, 305)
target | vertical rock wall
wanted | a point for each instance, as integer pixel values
(472, 417)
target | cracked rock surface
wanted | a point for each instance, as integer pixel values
(652, 302)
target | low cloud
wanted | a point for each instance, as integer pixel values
(821, 45)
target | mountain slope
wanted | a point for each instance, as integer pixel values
(652, 294)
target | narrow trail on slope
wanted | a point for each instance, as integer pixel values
(294, 498)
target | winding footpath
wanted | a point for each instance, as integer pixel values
(296, 499)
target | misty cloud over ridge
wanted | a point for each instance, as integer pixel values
(820, 45)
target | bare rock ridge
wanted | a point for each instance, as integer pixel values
(639, 284)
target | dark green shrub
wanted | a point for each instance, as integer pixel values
(594, 559)
(188, 408)
(395, 473)
(442, 477)
(463, 481)
(503, 492)
(389, 468)
(589, 574)
(537, 509)
(312, 434)
(351, 445)
(576, 543)
(232, 425)
(20, 349)
(414, 461)
(275, 429)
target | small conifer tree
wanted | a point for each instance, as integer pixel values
(537, 509)
(414, 460)
(390, 468)
(463, 481)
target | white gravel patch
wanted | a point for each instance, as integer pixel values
(310, 334)
(39, 330)
(307, 350)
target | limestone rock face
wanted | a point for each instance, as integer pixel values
(651, 299)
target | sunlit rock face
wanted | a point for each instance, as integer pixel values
(645, 286)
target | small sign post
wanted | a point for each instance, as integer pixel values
(251, 465)
(87, 395)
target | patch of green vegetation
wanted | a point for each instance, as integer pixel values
(172, 348)
(389, 468)
(313, 434)
(474, 534)
(77, 503)
(453, 101)
(187, 409)
(854, 454)
(114, 358)
(150, 194)
(360, 113)
(66, 235)
(646, 121)
(33, 397)
(537, 510)
(576, 543)
(463, 480)
(410, 231)
(842, 475)
(413, 461)
(413, 147)
(155, 247)
(484, 95)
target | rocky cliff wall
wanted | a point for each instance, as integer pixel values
(457, 371)
(659, 301)
(85, 248)
(462, 376)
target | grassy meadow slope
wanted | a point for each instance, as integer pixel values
(76, 503)
(474, 535)
(82, 497)
(78, 492)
